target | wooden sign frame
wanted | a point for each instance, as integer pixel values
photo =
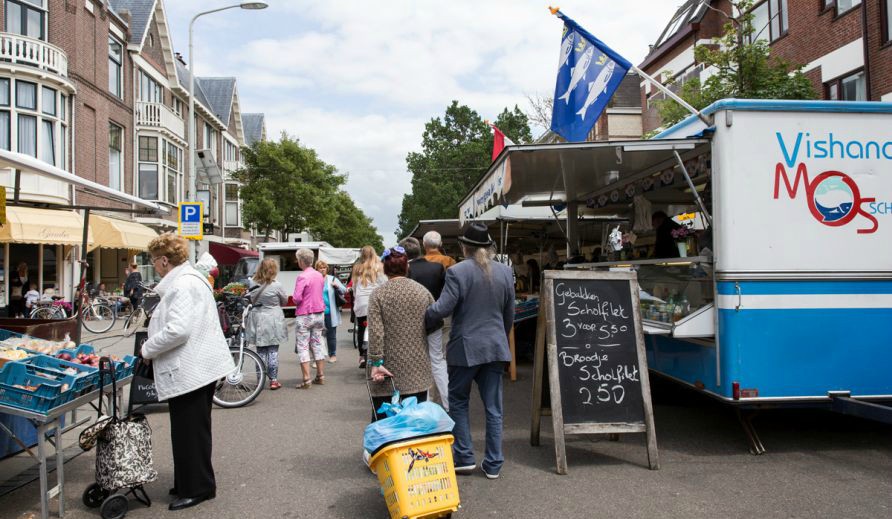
(546, 342)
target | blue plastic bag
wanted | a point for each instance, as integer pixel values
(406, 419)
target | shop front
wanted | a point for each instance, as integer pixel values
(119, 243)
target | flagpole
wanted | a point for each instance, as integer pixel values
(662, 88)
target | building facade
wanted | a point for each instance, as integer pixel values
(845, 46)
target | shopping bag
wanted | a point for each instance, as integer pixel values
(124, 454)
(409, 419)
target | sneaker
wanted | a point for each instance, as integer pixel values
(332, 359)
(487, 474)
(465, 469)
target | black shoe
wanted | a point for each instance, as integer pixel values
(187, 502)
(173, 492)
(362, 363)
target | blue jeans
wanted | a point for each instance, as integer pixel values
(489, 383)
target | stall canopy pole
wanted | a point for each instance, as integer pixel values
(699, 200)
(18, 186)
(572, 229)
(80, 313)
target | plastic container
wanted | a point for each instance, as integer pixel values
(417, 477)
(48, 393)
(86, 377)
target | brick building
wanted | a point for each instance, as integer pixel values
(845, 46)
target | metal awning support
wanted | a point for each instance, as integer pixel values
(694, 192)
(79, 310)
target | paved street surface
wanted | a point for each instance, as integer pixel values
(297, 453)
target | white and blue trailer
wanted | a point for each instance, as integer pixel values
(792, 302)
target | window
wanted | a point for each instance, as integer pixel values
(173, 162)
(148, 149)
(209, 137)
(48, 142)
(232, 203)
(887, 20)
(4, 92)
(847, 88)
(27, 135)
(148, 181)
(49, 101)
(4, 129)
(770, 20)
(115, 156)
(841, 6)
(26, 17)
(26, 95)
(63, 108)
(115, 69)
(149, 89)
(176, 104)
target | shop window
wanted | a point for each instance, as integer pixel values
(847, 88)
(26, 17)
(115, 67)
(887, 20)
(148, 149)
(26, 95)
(232, 206)
(50, 280)
(27, 135)
(115, 156)
(48, 142)
(148, 181)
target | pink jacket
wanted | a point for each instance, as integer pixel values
(308, 293)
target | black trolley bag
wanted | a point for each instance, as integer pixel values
(123, 454)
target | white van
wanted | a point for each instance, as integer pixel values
(284, 254)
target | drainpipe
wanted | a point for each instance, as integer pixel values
(866, 47)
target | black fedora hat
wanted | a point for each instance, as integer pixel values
(476, 234)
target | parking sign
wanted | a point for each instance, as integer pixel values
(190, 221)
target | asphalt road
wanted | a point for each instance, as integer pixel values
(297, 454)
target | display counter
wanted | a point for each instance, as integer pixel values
(677, 294)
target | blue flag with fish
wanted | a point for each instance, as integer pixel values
(589, 72)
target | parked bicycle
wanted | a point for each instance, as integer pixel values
(140, 316)
(97, 314)
(248, 379)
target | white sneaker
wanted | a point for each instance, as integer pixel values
(465, 469)
(487, 474)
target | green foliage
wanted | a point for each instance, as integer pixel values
(455, 151)
(743, 70)
(350, 227)
(287, 187)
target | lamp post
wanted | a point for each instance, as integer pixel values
(193, 173)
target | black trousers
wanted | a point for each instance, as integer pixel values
(190, 437)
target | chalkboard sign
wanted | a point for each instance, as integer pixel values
(142, 390)
(596, 363)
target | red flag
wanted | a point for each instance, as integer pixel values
(499, 141)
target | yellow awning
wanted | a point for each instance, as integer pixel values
(110, 233)
(47, 226)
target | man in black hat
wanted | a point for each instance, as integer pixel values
(479, 295)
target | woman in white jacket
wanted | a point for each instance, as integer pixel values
(189, 354)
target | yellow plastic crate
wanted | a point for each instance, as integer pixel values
(417, 477)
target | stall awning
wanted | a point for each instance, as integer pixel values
(111, 233)
(46, 226)
(581, 172)
(226, 255)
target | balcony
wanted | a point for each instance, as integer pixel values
(160, 117)
(34, 53)
(230, 166)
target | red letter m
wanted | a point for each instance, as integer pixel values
(779, 171)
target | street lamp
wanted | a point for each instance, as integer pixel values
(193, 181)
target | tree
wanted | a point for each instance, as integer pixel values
(455, 151)
(350, 227)
(743, 69)
(287, 187)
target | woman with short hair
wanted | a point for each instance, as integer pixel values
(397, 335)
(332, 312)
(190, 354)
(309, 311)
(265, 325)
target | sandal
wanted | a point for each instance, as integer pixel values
(320, 379)
(274, 385)
(306, 384)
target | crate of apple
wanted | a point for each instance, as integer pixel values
(87, 359)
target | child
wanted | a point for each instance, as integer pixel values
(32, 296)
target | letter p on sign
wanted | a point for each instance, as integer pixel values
(190, 220)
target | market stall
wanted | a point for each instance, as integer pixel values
(793, 200)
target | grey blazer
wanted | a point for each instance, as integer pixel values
(482, 313)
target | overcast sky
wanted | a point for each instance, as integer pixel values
(357, 80)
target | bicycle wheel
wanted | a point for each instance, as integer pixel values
(98, 318)
(44, 312)
(246, 381)
(134, 321)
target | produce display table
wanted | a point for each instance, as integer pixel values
(52, 421)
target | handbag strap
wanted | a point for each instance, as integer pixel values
(107, 367)
(258, 293)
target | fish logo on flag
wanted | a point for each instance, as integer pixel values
(589, 72)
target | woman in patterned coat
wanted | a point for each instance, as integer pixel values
(397, 336)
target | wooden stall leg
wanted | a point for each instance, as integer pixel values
(512, 367)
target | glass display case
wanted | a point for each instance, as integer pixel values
(677, 295)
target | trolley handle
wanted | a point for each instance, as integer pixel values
(107, 367)
(368, 386)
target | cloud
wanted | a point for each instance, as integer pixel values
(358, 80)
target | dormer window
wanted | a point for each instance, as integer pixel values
(26, 17)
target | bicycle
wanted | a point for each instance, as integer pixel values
(140, 316)
(47, 309)
(241, 386)
(97, 316)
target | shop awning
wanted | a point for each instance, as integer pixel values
(111, 233)
(47, 226)
(226, 255)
